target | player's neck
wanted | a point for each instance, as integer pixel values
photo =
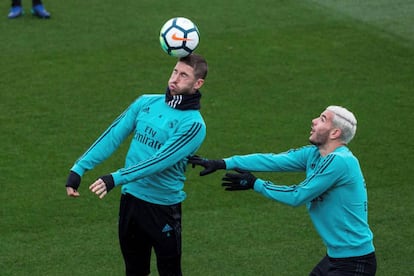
(330, 147)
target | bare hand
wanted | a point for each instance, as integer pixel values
(72, 192)
(99, 188)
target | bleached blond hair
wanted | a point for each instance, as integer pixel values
(344, 120)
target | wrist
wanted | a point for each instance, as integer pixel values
(251, 179)
(73, 180)
(109, 182)
(220, 164)
(253, 182)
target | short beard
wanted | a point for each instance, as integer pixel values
(315, 143)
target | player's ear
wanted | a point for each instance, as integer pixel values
(198, 84)
(336, 133)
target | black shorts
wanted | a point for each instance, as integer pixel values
(354, 266)
(143, 226)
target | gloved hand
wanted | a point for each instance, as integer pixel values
(242, 180)
(73, 180)
(210, 166)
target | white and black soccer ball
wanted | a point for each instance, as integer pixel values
(179, 37)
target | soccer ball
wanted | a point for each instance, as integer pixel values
(179, 37)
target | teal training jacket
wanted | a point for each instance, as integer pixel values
(162, 139)
(334, 193)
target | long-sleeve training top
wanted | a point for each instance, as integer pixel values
(162, 139)
(334, 192)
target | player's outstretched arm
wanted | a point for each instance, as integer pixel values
(210, 166)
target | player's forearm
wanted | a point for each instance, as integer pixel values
(285, 194)
(264, 162)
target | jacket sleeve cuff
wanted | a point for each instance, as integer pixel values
(258, 185)
(228, 164)
(79, 170)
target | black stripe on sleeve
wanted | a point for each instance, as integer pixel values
(108, 130)
(325, 164)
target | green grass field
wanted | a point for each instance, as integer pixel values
(274, 65)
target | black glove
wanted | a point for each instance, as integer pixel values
(109, 182)
(73, 180)
(210, 166)
(241, 180)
